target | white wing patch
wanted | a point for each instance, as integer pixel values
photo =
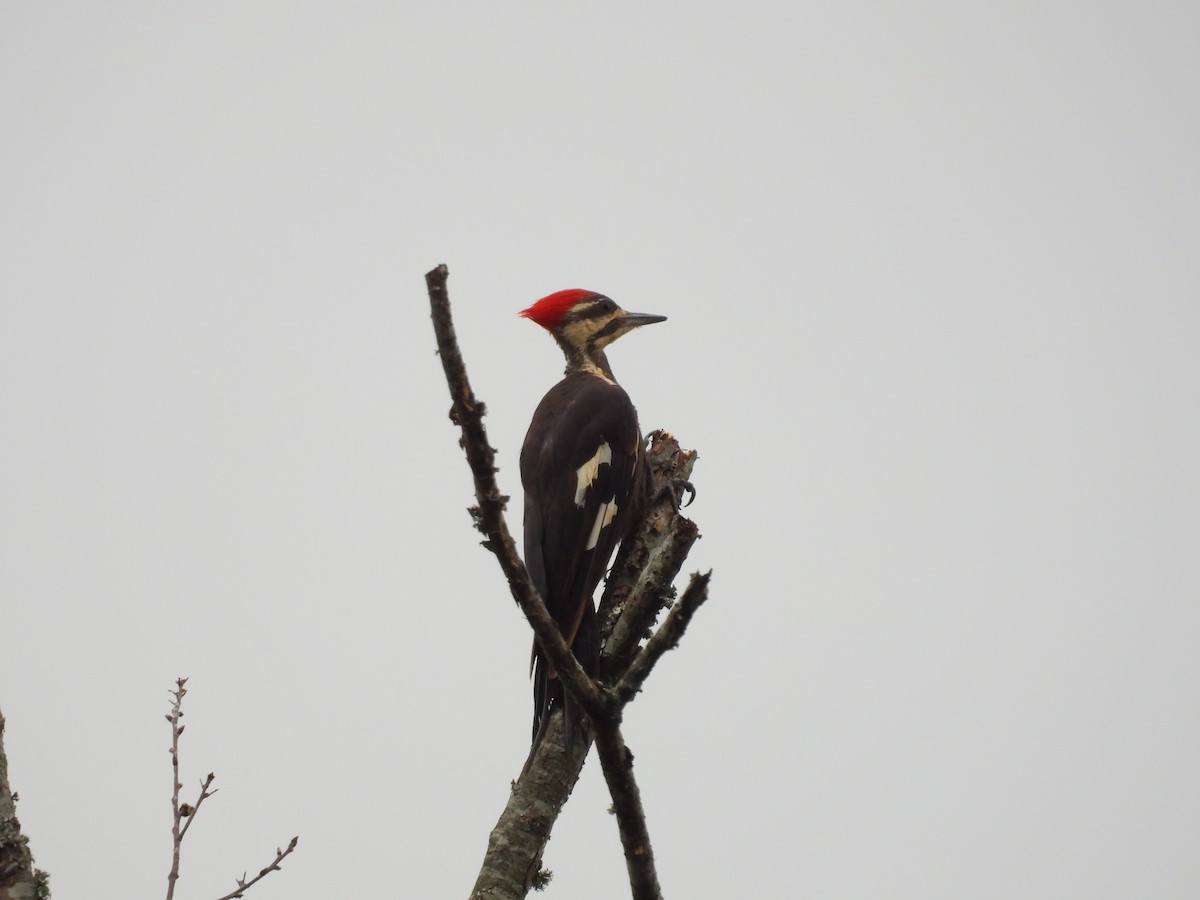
(604, 516)
(586, 474)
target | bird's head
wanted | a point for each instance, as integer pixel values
(585, 322)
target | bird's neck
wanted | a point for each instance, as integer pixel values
(588, 361)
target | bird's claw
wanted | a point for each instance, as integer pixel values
(674, 490)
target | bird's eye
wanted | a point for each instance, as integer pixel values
(607, 306)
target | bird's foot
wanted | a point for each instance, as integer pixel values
(674, 490)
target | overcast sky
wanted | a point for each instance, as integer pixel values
(931, 272)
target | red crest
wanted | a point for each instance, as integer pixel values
(548, 311)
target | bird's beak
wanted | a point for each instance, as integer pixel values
(633, 320)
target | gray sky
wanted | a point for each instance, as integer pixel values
(931, 275)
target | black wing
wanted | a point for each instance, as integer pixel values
(580, 467)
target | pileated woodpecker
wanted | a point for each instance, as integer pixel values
(585, 479)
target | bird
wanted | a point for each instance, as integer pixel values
(586, 481)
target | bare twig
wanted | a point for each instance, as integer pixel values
(244, 885)
(188, 811)
(176, 811)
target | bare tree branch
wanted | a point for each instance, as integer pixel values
(666, 638)
(617, 763)
(467, 412)
(640, 584)
(512, 863)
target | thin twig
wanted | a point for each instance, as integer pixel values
(244, 885)
(177, 816)
(189, 811)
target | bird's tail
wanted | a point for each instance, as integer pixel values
(549, 693)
